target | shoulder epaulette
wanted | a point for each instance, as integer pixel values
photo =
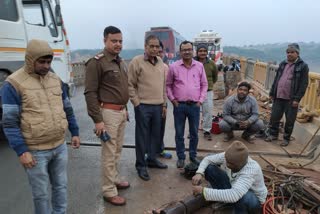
(99, 56)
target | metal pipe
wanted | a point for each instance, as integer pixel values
(131, 146)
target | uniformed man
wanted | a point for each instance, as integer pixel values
(106, 93)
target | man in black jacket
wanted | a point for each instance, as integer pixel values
(287, 90)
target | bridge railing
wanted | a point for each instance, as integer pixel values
(262, 75)
(259, 74)
(78, 69)
(311, 99)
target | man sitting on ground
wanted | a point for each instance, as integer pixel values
(238, 180)
(240, 112)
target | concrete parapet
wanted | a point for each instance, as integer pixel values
(79, 71)
(260, 73)
(249, 70)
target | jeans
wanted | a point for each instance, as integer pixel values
(249, 203)
(51, 168)
(147, 132)
(181, 113)
(280, 107)
(207, 108)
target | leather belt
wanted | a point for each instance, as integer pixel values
(113, 106)
(189, 102)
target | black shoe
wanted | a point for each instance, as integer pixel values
(207, 135)
(180, 163)
(143, 174)
(195, 161)
(156, 164)
(285, 142)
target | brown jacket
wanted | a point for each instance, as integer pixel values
(106, 82)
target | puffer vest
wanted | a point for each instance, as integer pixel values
(43, 120)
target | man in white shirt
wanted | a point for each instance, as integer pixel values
(234, 177)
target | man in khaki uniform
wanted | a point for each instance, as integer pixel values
(106, 92)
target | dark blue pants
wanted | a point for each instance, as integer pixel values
(219, 179)
(162, 130)
(147, 132)
(181, 113)
(280, 107)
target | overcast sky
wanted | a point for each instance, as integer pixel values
(239, 23)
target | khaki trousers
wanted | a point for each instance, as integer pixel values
(115, 123)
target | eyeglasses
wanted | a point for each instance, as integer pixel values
(186, 50)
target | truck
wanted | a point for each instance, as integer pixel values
(213, 41)
(23, 20)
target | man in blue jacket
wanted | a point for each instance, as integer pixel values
(287, 90)
(36, 114)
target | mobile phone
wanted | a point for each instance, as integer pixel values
(104, 136)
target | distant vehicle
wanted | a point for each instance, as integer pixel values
(23, 20)
(171, 40)
(213, 41)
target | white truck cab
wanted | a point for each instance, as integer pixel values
(23, 20)
(213, 41)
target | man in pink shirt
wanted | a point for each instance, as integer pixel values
(186, 88)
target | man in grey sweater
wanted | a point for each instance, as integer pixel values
(240, 112)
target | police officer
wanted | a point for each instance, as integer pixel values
(106, 93)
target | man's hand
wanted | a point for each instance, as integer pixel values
(27, 160)
(164, 112)
(99, 128)
(75, 142)
(295, 104)
(196, 180)
(175, 103)
(197, 190)
(199, 104)
(244, 124)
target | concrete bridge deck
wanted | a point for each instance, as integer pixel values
(84, 171)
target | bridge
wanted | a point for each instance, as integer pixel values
(167, 185)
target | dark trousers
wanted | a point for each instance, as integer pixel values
(147, 132)
(280, 107)
(181, 113)
(162, 130)
(219, 179)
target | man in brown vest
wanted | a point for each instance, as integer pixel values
(106, 92)
(36, 114)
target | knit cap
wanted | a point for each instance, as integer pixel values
(202, 46)
(237, 154)
(294, 46)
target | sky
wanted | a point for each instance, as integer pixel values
(238, 22)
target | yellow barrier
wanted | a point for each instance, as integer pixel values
(311, 99)
(260, 73)
(243, 63)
